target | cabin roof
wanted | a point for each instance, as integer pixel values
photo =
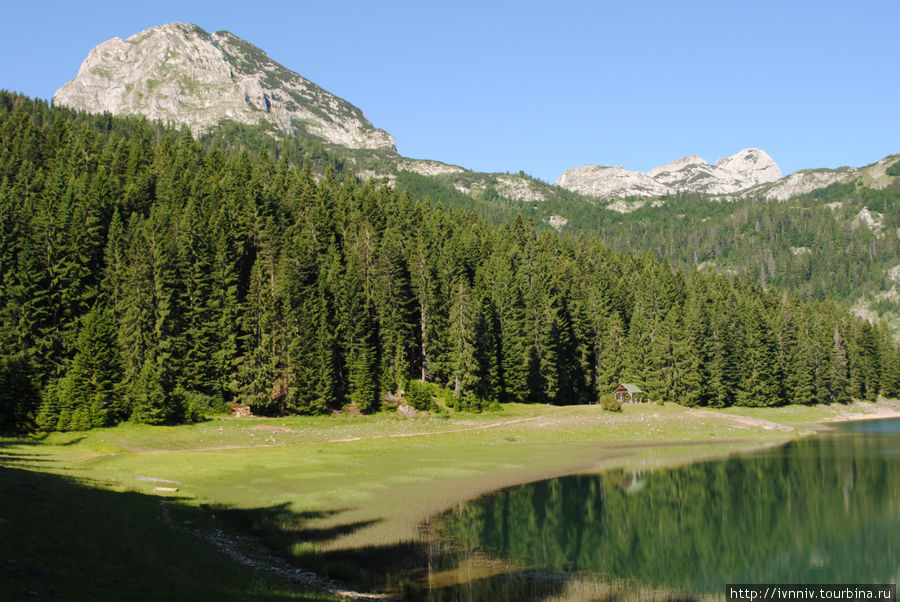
(631, 387)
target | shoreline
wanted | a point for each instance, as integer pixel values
(886, 409)
(597, 456)
(376, 482)
(484, 567)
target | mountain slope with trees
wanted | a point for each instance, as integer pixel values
(836, 242)
(146, 277)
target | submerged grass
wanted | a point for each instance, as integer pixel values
(383, 473)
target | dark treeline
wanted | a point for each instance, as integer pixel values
(146, 278)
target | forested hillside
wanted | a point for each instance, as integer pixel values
(146, 277)
(837, 242)
(840, 241)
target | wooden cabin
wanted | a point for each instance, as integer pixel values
(238, 410)
(628, 392)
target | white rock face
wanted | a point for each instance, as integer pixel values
(894, 273)
(865, 313)
(180, 74)
(610, 182)
(750, 167)
(873, 220)
(623, 206)
(518, 189)
(803, 182)
(677, 165)
(371, 174)
(426, 167)
(558, 222)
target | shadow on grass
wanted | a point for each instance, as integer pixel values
(10, 456)
(11, 441)
(288, 535)
(10, 459)
(63, 540)
(281, 526)
(414, 570)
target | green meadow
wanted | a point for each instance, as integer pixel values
(339, 495)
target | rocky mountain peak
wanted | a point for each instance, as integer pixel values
(751, 164)
(178, 73)
(677, 165)
(745, 169)
(609, 182)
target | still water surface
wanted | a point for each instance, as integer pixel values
(822, 509)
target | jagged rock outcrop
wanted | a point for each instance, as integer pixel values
(746, 169)
(609, 182)
(806, 181)
(803, 182)
(178, 73)
(750, 166)
(519, 189)
(425, 167)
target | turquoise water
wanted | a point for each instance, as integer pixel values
(823, 509)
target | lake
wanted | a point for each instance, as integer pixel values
(823, 509)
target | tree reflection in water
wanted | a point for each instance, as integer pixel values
(820, 510)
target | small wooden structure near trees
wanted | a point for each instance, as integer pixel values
(239, 409)
(628, 392)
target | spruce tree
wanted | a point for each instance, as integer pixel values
(153, 398)
(326, 348)
(805, 368)
(360, 340)
(462, 337)
(396, 307)
(262, 378)
(839, 391)
(610, 360)
(90, 392)
(695, 375)
(890, 363)
(760, 383)
(19, 395)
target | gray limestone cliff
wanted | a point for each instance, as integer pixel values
(741, 171)
(178, 73)
(182, 75)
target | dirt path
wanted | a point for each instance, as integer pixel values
(426, 433)
(747, 421)
(151, 450)
(477, 427)
(539, 421)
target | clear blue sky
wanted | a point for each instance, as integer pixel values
(541, 87)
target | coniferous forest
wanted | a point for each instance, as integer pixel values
(148, 277)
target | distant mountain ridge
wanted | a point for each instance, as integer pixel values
(878, 176)
(178, 73)
(741, 171)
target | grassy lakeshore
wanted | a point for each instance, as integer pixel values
(314, 486)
